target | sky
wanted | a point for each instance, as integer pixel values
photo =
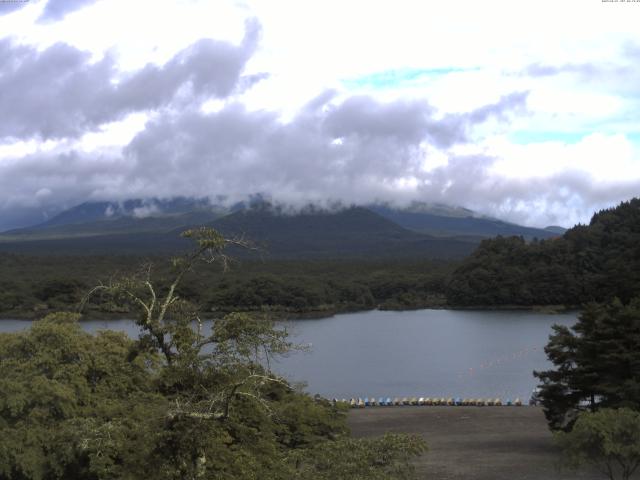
(526, 111)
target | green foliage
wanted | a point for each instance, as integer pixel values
(588, 263)
(178, 403)
(596, 363)
(280, 288)
(69, 401)
(608, 439)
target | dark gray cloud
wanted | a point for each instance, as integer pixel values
(56, 10)
(60, 92)
(363, 117)
(358, 150)
(507, 105)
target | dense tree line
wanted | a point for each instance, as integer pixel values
(35, 285)
(588, 263)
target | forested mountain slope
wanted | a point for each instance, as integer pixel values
(591, 262)
(350, 233)
(463, 223)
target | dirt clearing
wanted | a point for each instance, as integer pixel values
(479, 443)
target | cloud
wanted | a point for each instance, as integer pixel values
(10, 7)
(619, 75)
(360, 150)
(56, 10)
(145, 211)
(545, 70)
(565, 197)
(59, 92)
(362, 116)
(354, 150)
(631, 50)
(515, 102)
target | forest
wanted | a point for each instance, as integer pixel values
(176, 403)
(594, 262)
(31, 286)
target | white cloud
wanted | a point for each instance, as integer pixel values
(605, 158)
(120, 99)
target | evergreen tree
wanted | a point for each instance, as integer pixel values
(597, 363)
(588, 263)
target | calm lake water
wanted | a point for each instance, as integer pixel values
(444, 353)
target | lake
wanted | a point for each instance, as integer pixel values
(443, 353)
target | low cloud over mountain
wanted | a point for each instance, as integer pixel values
(80, 125)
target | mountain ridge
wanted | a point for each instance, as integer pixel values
(137, 226)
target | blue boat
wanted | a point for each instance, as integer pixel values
(382, 402)
(388, 401)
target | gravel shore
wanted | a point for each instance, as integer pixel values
(474, 443)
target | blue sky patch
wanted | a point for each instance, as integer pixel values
(633, 136)
(400, 77)
(525, 137)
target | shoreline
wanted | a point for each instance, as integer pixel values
(282, 315)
